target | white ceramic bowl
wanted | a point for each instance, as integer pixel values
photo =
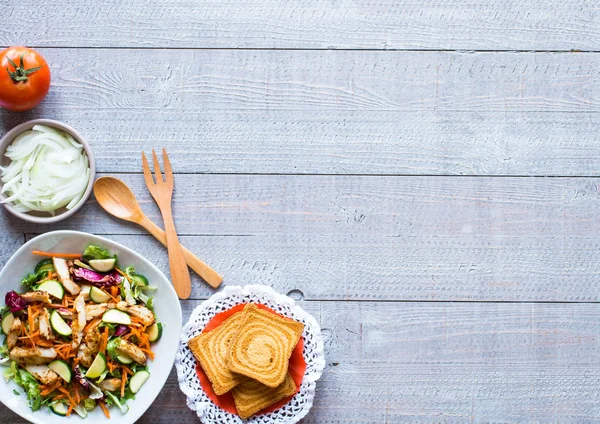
(166, 307)
(62, 213)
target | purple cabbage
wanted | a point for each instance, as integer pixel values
(14, 301)
(121, 329)
(81, 379)
(96, 278)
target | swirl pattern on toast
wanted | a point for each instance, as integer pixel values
(263, 345)
(210, 349)
(251, 396)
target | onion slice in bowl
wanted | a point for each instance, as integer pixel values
(48, 170)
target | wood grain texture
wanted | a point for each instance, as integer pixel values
(442, 362)
(303, 112)
(348, 24)
(341, 237)
(376, 166)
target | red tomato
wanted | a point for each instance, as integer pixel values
(24, 78)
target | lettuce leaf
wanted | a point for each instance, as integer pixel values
(95, 252)
(27, 381)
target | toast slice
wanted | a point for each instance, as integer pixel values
(251, 396)
(262, 347)
(210, 349)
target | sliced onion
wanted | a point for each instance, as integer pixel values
(48, 170)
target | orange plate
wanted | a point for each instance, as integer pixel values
(297, 366)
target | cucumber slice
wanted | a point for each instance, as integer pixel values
(82, 264)
(98, 366)
(7, 322)
(137, 381)
(114, 316)
(62, 369)
(155, 332)
(139, 280)
(59, 408)
(103, 265)
(123, 359)
(44, 265)
(53, 287)
(98, 295)
(59, 325)
(80, 410)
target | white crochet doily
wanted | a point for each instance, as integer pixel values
(185, 362)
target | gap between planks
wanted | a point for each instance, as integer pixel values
(326, 174)
(318, 49)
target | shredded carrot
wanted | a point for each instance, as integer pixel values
(123, 274)
(127, 370)
(66, 392)
(57, 255)
(93, 323)
(50, 389)
(36, 311)
(123, 381)
(70, 410)
(148, 352)
(114, 291)
(77, 397)
(59, 397)
(105, 409)
(30, 319)
(31, 336)
(24, 331)
(104, 341)
(75, 363)
(145, 340)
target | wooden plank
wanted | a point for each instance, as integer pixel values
(341, 237)
(303, 112)
(348, 24)
(331, 112)
(342, 142)
(10, 241)
(443, 362)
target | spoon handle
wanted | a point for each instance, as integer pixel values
(202, 269)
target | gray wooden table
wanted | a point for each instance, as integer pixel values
(423, 176)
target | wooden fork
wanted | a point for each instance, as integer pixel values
(162, 191)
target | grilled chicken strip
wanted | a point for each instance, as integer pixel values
(42, 373)
(13, 333)
(86, 290)
(90, 347)
(62, 269)
(33, 356)
(78, 320)
(132, 351)
(37, 296)
(93, 311)
(110, 384)
(138, 311)
(44, 324)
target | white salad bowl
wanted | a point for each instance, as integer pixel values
(166, 307)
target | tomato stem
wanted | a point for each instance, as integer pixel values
(20, 73)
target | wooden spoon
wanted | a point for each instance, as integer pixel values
(118, 200)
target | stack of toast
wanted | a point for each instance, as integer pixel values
(248, 355)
